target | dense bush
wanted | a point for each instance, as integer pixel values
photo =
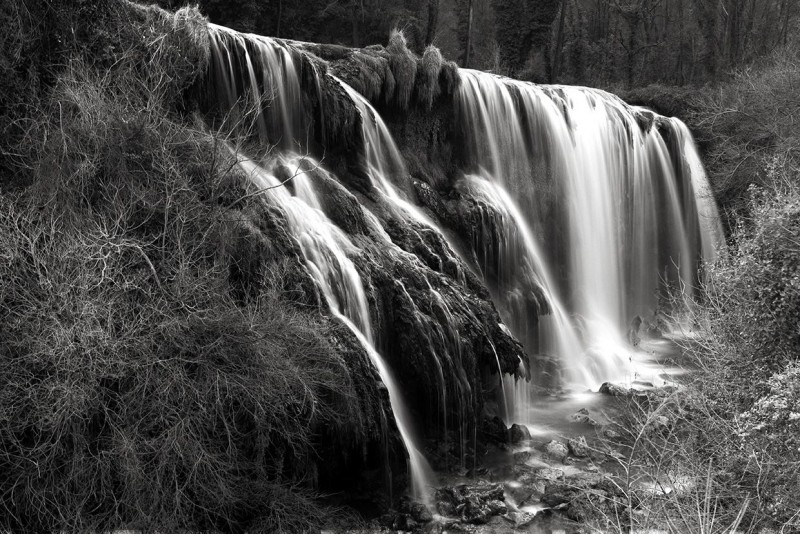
(753, 305)
(731, 443)
(724, 451)
(136, 391)
(160, 365)
(752, 318)
(749, 126)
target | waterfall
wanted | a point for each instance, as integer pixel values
(623, 188)
(325, 247)
(582, 212)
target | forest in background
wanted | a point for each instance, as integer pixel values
(600, 43)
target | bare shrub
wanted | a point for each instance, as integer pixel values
(722, 454)
(747, 122)
(141, 385)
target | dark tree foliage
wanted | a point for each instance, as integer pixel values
(521, 26)
(590, 42)
(346, 22)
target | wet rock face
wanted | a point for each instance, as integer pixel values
(363, 457)
(494, 430)
(434, 331)
(341, 206)
(519, 434)
(432, 318)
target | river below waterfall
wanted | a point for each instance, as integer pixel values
(570, 443)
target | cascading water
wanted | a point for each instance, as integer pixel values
(324, 246)
(587, 170)
(249, 71)
(520, 262)
(584, 210)
(384, 164)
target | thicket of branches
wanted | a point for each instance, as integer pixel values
(722, 455)
(162, 366)
(725, 449)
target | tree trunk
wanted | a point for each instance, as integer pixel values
(278, 19)
(734, 36)
(433, 21)
(469, 36)
(680, 76)
(354, 27)
(633, 20)
(559, 43)
(749, 20)
(786, 14)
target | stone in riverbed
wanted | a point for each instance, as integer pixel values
(556, 450)
(549, 473)
(582, 416)
(520, 519)
(474, 504)
(613, 390)
(531, 485)
(522, 457)
(523, 494)
(497, 507)
(474, 511)
(578, 447)
(588, 506)
(557, 494)
(420, 513)
(519, 434)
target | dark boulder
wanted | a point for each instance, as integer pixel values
(519, 434)
(614, 390)
(420, 513)
(494, 430)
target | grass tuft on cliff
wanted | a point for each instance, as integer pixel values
(428, 88)
(404, 68)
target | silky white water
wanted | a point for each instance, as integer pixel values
(588, 213)
(597, 199)
(325, 247)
